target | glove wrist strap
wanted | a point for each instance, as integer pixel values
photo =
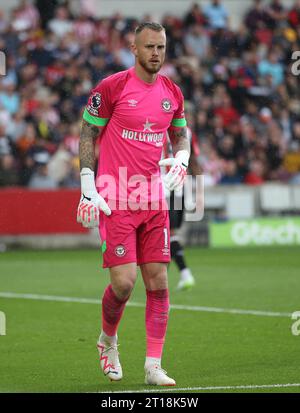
(183, 156)
(87, 179)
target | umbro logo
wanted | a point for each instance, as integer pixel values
(132, 103)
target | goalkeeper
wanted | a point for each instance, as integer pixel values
(130, 113)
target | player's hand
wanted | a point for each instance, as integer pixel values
(175, 177)
(88, 209)
(90, 202)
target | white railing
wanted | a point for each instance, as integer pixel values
(242, 201)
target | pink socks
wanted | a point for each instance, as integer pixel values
(112, 310)
(157, 313)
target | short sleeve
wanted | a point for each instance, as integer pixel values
(179, 120)
(98, 110)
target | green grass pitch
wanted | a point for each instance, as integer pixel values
(50, 346)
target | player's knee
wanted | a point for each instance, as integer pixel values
(123, 288)
(158, 280)
(127, 288)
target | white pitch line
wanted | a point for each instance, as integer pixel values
(41, 297)
(188, 389)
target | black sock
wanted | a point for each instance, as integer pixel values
(177, 255)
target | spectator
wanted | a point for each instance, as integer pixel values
(226, 148)
(46, 13)
(5, 118)
(5, 144)
(59, 165)
(291, 161)
(40, 56)
(296, 131)
(61, 24)
(265, 117)
(9, 98)
(197, 42)
(8, 171)
(72, 180)
(285, 123)
(255, 176)
(87, 7)
(275, 149)
(16, 127)
(202, 128)
(40, 178)
(277, 14)
(210, 163)
(195, 16)
(271, 66)
(26, 16)
(294, 15)
(230, 174)
(217, 15)
(26, 140)
(222, 42)
(3, 24)
(84, 29)
(257, 16)
(176, 47)
(125, 54)
(226, 111)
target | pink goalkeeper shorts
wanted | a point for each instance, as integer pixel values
(140, 236)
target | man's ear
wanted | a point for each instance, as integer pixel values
(133, 49)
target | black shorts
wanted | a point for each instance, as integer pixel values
(176, 215)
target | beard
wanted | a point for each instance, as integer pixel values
(150, 68)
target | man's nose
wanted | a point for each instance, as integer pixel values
(155, 51)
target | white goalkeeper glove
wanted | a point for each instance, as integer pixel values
(175, 177)
(91, 202)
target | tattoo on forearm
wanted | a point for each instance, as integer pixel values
(179, 139)
(88, 137)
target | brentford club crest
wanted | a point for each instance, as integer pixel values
(166, 104)
(120, 251)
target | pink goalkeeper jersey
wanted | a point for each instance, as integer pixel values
(136, 116)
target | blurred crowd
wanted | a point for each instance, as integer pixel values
(241, 87)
